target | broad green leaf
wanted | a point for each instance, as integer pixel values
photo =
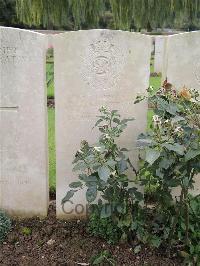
(123, 126)
(124, 121)
(116, 120)
(124, 149)
(168, 107)
(79, 166)
(183, 254)
(104, 173)
(137, 249)
(91, 181)
(114, 112)
(152, 155)
(122, 166)
(165, 163)
(91, 178)
(111, 163)
(142, 143)
(177, 118)
(172, 109)
(121, 208)
(186, 181)
(173, 183)
(106, 211)
(175, 147)
(134, 193)
(82, 176)
(139, 99)
(68, 196)
(191, 154)
(132, 190)
(91, 193)
(139, 196)
(155, 241)
(159, 173)
(98, 260)
(75, 184)
(98, 122)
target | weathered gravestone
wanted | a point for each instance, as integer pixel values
(23, 123)
(159, 53)
(182, 68)
(182, 60)
(95, 68)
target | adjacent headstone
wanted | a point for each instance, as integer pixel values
(95, 68)
(159, 53)
(23, 123)
(182, 68)
(182, 60)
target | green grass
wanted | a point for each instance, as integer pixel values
(152, 65)
(49, 78)
(150, 114)
(52, 156)
(154, 81)
(51, 125)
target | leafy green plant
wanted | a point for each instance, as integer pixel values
(26, 231)
(104, 227)
(172, 148)
(103, 171)
(5, 226)
(172, 160)
(103, 258)
(190, 252)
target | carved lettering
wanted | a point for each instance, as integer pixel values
(14, 55)
(16, 181)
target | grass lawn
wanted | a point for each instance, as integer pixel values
(52, 156)
(49, 78)
(154, 81)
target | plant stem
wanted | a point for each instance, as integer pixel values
(178, 210)
(186, 216)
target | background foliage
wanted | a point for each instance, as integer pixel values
(7, 12)
(114, 14)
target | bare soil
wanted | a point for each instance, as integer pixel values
(52, 242)
(50, 103)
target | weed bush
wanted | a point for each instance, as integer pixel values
(172, 149)
(172, 160)
(103, 171)
(5, 226)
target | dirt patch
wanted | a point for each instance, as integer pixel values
(50, 103)
(51, 242)
(155, 74)
(52, 194)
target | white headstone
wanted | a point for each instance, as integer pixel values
(95, 68)
(23, 123)
(182, 67)
(159, 53)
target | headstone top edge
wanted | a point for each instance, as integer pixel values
(78, 32)
(184, 34)
(22, 30)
